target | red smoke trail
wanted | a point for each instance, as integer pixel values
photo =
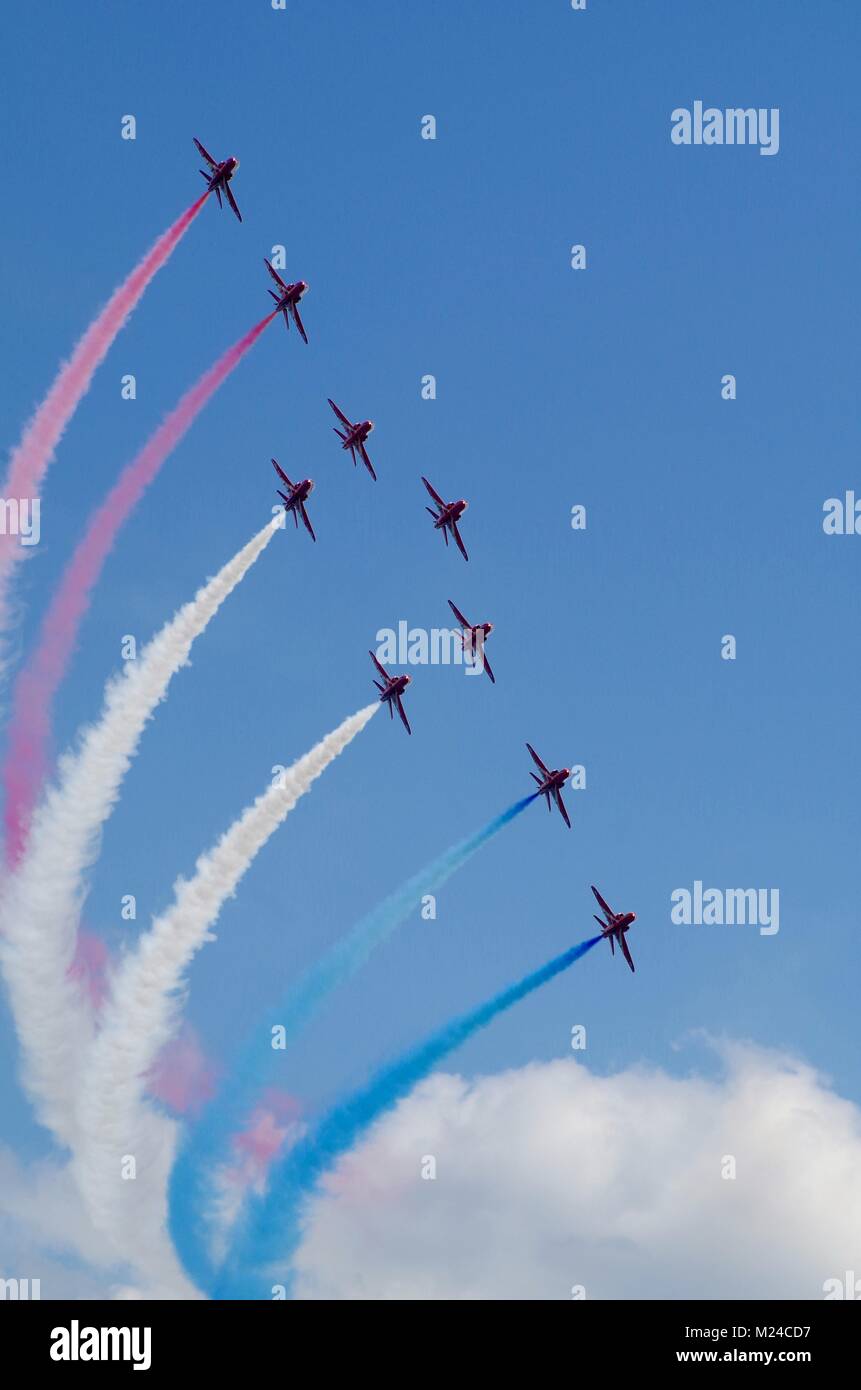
(90, 968)
(37, 683)
(255, 1147)
(30, 460)
(182, 1078)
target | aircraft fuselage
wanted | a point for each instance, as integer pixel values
(358, 435)
(300, 493)
(225, 171)
(396, 688)
(450, 514)
(556, 781)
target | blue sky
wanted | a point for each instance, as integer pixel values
(555, 387)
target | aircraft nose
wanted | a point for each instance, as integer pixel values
(407, 680)
(309, 483)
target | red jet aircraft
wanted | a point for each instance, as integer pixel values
(616, 925)
(299, 494)
(355, 438)
(472, 642)
(218, 176)
(391, 691)
(551, 783)
(287, 300)
(446, 517)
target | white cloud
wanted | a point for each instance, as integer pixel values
(550, 1177)
(547, 1177)
(46, 1234)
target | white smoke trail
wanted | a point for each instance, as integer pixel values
(114, 1134)
(41, 901)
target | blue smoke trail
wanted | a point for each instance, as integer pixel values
(206, 1145)
(272, 1228)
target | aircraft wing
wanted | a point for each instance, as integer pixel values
(459, 540)
(308, 525)
(487, 668)
(609, 911)
(207, 156)
(367, 462)
(402, 713)
(281, 474)
(382, 670)
(457, 613)
(231, 200)
(539, 763)
(434, 494)
(625, 952)
(218, 195)
(274, 273)
(561, 804)
(340, 414)
(299, 324)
